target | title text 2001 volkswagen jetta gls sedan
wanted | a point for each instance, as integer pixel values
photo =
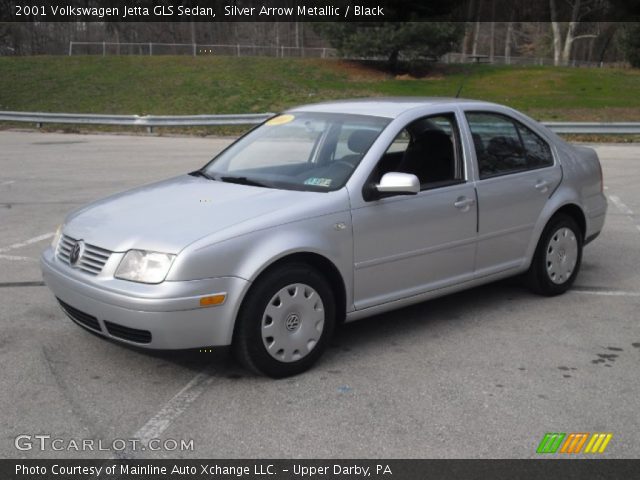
(324, 213)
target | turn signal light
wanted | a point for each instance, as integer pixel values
(212, 300)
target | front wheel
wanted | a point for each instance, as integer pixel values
(285, 322)
(557, 259)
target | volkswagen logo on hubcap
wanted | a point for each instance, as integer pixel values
(292, 322)
(76, 252)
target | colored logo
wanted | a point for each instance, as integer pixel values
(574, 442)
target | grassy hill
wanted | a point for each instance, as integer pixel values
(187, 85)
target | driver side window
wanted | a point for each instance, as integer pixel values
(428, 148)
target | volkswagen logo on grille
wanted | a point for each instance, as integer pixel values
(76, 252)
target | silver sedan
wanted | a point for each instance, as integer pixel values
(329, 213)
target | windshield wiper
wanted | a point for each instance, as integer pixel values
(201, 173)
(242, 181)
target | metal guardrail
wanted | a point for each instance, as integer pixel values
(148, 121)
(152, 121)
(613, 128)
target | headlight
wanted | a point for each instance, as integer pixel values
(56, 237)
(144, 267)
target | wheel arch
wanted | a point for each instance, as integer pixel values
(569, 208)
(323, 265)
(575, 212)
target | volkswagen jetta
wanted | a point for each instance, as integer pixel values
(329, 213)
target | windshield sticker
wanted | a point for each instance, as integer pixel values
(318, 182)
(280, 120)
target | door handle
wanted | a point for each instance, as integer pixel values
(542, 185)
(463, 203)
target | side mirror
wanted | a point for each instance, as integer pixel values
(398, 184)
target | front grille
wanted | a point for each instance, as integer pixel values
(80, 317)
(126, 333)
(92, 259)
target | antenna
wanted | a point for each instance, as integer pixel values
(464, 79)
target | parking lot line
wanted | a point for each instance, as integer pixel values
(37, 239)
(624, 209)
(174, 408)
(35, 283)
(606, 293)
(620, 206)
(16, 258)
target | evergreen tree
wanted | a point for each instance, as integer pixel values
(390, 40)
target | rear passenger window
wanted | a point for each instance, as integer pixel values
(537, 150)
(505, 146)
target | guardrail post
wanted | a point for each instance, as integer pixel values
(70, 48)
(104, 49)
(238, 49)
(194, 49)
(149, 129)
(150, 48)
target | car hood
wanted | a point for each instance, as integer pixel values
(169, 215)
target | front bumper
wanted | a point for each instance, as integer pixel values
(163, 316)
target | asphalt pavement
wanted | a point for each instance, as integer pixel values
(483, 373)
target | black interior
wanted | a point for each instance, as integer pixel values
(430, 156)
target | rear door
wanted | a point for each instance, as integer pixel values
(517, 173)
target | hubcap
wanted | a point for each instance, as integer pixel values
(292, 322)
(562, 255)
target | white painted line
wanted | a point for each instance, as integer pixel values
(608, 293)
(8, 182)
(37, 239)
(17, 259)
(621, 206)
(173, 408)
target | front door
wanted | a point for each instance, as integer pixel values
(407, 245)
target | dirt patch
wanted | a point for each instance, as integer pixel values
(356, 71)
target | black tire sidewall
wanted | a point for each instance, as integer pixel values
(248, 343)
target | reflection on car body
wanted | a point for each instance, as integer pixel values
(326, 213)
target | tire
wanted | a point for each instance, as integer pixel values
(285, 321)
(558, 256)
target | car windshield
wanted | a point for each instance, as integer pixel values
(298, 151)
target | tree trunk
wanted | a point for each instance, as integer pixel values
(393, 60)
(557, 35)
(507, 40)
(492, 32)
(468, 28)
(571, 33)
(607, 41)
(476, 33)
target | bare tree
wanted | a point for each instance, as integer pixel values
(508, 41)
(492, 32)
(476, 31)
(563, 45)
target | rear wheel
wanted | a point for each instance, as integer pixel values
(285, 322)
(557, 259)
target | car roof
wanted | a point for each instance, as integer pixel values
(389, 107)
